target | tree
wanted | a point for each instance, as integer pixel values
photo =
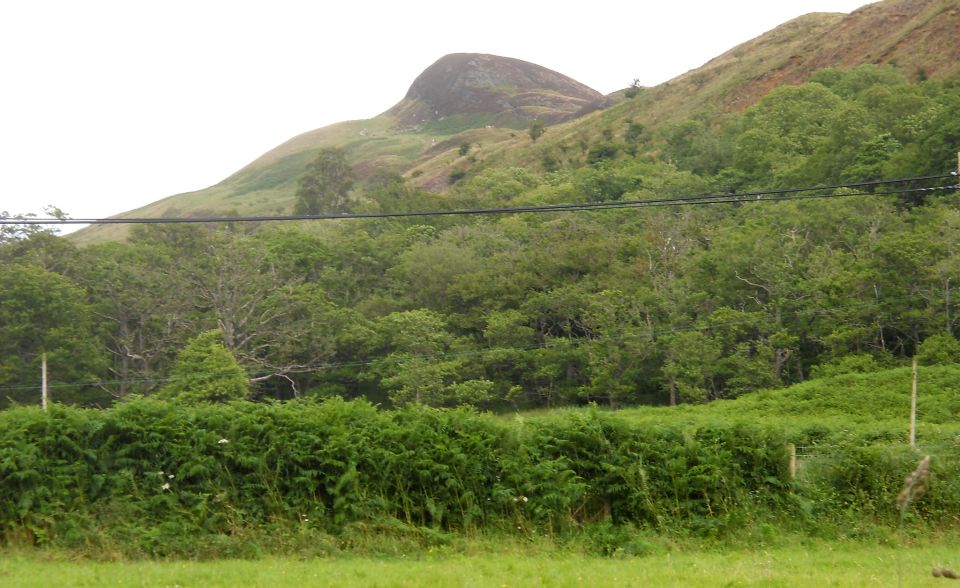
(417, 371)
(324, 187)
(310, 335)
(205, 371)
(141, 305)
(536, 130)
(254, 288)
(871, 159)
(39, 249)
(690, 367)
(43, 312)
(389, 189)
(622, 344)
(427, 270)
(783, 130)
(13, 231)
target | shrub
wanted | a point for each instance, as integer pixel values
(206, 371)
(456, 175)
(940, 349)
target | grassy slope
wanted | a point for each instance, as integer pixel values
(864, 408)
(267, 186)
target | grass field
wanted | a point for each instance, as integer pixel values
(819, 564)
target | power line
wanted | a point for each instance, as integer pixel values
(777, 195)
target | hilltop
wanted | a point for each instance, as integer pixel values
(508, 92)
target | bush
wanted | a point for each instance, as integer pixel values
(856, 363)
(941, 349)
(206, 371)
(456, 175)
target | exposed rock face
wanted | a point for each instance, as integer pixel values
(509, 90)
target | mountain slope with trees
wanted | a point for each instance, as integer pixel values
(621, 306)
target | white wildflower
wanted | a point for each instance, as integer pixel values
(170, 477)
(166, 486)
(223, 441)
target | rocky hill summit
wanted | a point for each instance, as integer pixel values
(505, 91)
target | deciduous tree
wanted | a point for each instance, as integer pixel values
(326, 184)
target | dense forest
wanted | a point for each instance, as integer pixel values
(658, 305)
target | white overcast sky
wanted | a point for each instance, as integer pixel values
(107, 105)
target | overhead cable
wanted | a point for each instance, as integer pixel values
(776, 195)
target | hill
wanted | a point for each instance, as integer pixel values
(468, 98)
(482, 100)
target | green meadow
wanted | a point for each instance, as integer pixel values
(832, 563)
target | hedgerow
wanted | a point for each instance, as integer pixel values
(152, 478)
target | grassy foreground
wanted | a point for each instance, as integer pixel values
(818, 564)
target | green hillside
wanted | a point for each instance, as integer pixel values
(855, 407)
(641, 301)
(267, 185)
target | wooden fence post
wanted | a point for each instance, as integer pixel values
(792, 460)
(913, 407)
(43, 381)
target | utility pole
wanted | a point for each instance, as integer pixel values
(913, 407)
(947, 293)
(43, 381)
(946, 304)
